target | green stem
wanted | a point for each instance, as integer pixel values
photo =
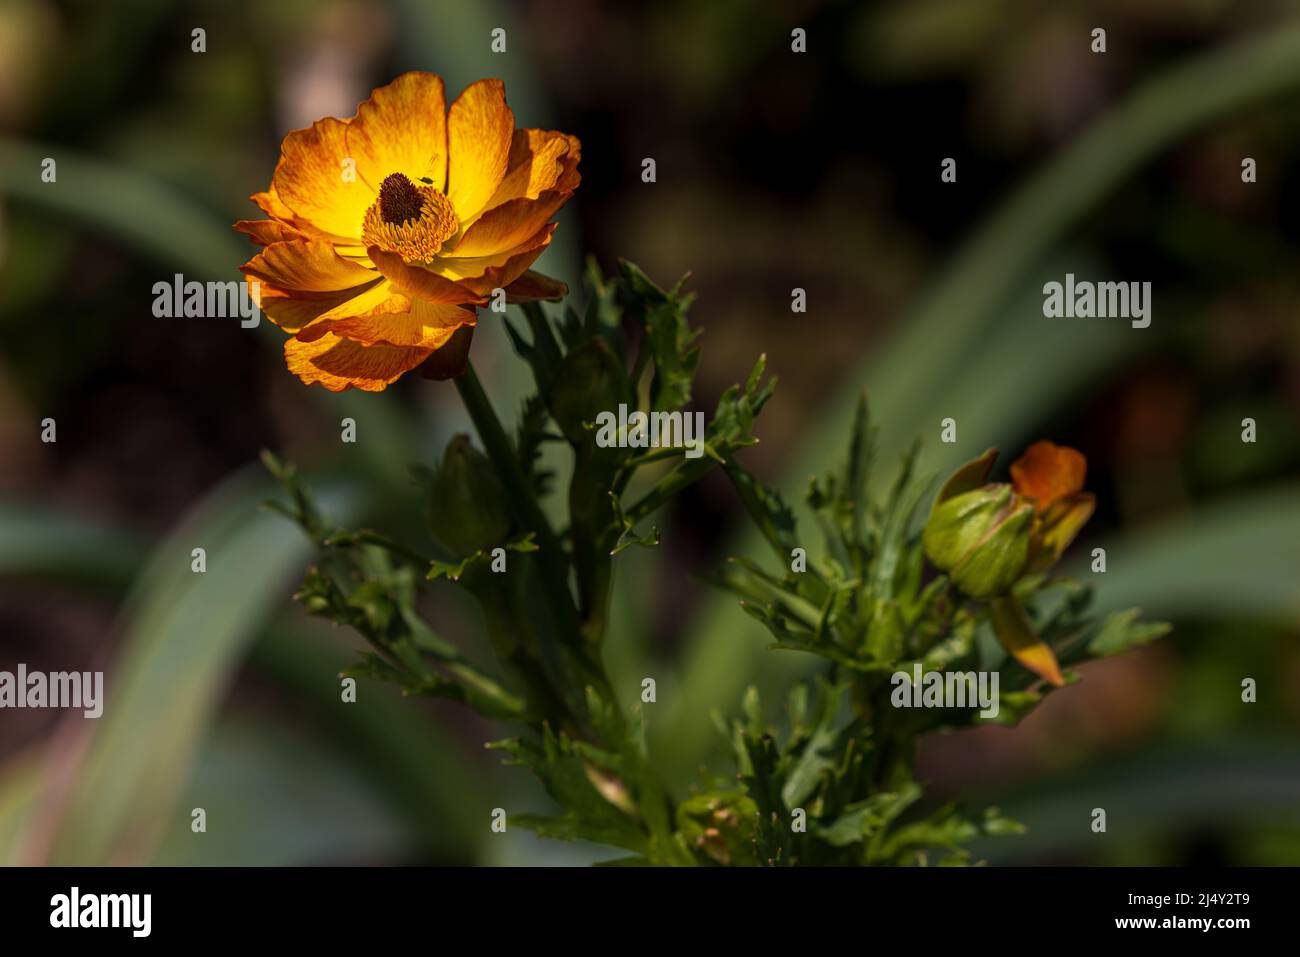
(500, 450)
(553, 563)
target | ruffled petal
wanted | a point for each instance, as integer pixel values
(300, 281)
(309, 265)
(292, 311)
(340, 364)
(483, 274)
(269, 202)
(312, 179)
(480, 128)
(402, 128)
(421, 283)
(428, 325)
(509, 225)
(267, 231)
(536, 164)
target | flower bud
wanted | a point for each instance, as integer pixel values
(467, 504)
(592, 380)
(980, 538)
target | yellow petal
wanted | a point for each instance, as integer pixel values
(309, 265)
(536, 163)
(421, 283)
(270, 203)
(340, 364)
(364, 305)
(480, 128)
(483, 274)
(428, 325)
(299, 281)
(402, 128)
(381, 297)
(1016, 633)
(291, 311)
(509, 225)
(1057, 528)
(569, 178)
(313, 181)
(267, 231)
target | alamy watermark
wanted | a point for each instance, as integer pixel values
(651, 430)
(1098, 300)
(946, 689)
(206, 300)
(75, 909)
(54, 689)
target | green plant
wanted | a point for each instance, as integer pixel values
(836, 785)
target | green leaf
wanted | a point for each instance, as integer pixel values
(132, 208)
(668, 336)
(404, 752)
(37, 542)
(627, 536)
(816, 759)
(1168, 790)
(455, 571)
(859, 821)
(531, 433)
(255, 807)
(586, 813)
(183, 636)
(1235, 558)
(1122, 631)
(767, 509)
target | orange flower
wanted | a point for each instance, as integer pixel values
(1051, 476)
(387, 229)
(1048, 472)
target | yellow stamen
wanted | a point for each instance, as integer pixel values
(409, 220)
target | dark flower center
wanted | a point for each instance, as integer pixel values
(399, 199)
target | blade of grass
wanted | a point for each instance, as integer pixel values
(264, 811)
(133, 209)
(41, 543)
(1159, 792)
(1234, 559)
(407, 757)
(183, 636)
(423, 771)
(938, 337)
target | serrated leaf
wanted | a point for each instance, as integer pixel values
(455, 571)
(668, 336)
(587, 814)
(1121, 631)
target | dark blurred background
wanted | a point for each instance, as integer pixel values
(775, 170)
